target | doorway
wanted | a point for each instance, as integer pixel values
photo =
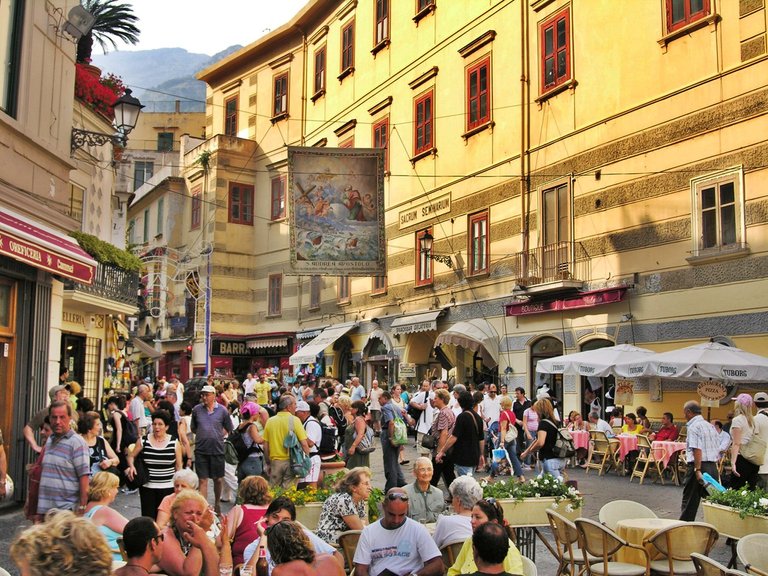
(594, 389)
(541, 349)
(73, 356)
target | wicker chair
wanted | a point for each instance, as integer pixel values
(529, 567)
(612, 512)
(569, 555)
(677, 543)
(604, 543)
(752, 550)
(705, 566)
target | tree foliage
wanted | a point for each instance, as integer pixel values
(105, 253)
(115, 21)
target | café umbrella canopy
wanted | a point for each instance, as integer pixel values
(598, 363)
(709, 360)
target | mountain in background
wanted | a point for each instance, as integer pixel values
(162, 76)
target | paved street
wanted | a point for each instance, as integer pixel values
(664, 500)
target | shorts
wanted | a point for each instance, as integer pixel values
(209, 465)
(314, 472)
(375, 415)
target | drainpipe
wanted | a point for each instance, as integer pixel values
(524, 133)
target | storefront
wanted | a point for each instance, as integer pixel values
(416, 334)
(235, 357)
(332, 347)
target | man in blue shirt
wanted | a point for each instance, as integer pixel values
(390, 451)
(211, 424)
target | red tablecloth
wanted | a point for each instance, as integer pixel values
(664, 450)
(580, 439)
(627, 443)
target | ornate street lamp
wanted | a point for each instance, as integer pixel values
(127, 109)
(426, 242)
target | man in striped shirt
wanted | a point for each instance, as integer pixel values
(66, 465)
(701, 452)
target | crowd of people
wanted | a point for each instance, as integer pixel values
(168, 450)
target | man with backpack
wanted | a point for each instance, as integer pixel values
(307, 413)
(277, 455)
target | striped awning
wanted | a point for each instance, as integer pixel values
(267, 342)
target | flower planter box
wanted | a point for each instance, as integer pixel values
(531, 512)
(309, 514)
(730, 524)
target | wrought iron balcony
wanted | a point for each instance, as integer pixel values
(560, 262)
(111, 283)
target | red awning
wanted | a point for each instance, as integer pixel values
(583, 300)
(45, 248)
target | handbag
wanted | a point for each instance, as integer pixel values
(429, 441)
(142, 474)
(34, 473)
(754, 450)
(365, 446)
(511, 434)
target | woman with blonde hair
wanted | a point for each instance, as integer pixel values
(507, 424)
(102, 492)
(742, 429)
(347, 509)
(64, 545)
(546, 436)
(188, 550)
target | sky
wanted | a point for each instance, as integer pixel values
(196, 27)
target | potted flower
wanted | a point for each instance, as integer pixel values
(525, 503)
(309, 501)
(736, 513)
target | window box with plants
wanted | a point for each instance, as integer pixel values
(737, 513)
(309, 501)
(525, 503)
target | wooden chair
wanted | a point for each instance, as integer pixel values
(121, 546)
(677, 543)
(450, 552)
(569, 555)
(604, 543)
(616, 510)
(348, 544)
(603, 451)
(752, 551)
(724, 463)
(705, 566)
(646, 460)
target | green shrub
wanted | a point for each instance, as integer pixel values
(105, 253)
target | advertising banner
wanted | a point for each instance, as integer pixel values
(336, 204)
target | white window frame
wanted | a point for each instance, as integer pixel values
(735, 175)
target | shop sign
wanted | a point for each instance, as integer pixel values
(625, 392)
(36, 255)
(240, 348)
(407, 370)
(426, 211)
(711, 393)
(584, 300)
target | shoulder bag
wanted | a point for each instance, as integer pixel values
(754, 450)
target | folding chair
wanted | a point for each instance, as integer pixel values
(602, 451)
(604, 543)
(752, 551)
(646, 460)
(677, 543)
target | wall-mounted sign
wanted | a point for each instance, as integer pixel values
(425, 211)
(625, 392)
(407, 370)
(711, 393)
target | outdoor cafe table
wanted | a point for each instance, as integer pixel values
(580, 439)
(664, 450)
(627, 443)
(636, 531)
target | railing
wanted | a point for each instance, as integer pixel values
(112, 283)
(553, 262)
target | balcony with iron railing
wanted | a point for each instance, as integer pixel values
(560, 266)
(110, 283)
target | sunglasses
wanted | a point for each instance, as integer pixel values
(491, 501)
(159, 538)
(397, 496)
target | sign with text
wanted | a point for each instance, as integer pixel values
(625, 392)
(39, 257)
(423, 212)
(407, 370)
(711, 393)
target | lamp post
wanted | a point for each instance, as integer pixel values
(426, 242)
(127, 109)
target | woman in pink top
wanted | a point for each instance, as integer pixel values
(241, 520)
(531, 427)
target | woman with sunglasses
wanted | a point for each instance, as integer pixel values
(486, 510)
(347, 509)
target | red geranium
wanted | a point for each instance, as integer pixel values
(99, 94)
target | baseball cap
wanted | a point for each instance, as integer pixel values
(55, 390)
(208, 388)
(743, 399)
(761, 398)
(249, 408)
(302, 406)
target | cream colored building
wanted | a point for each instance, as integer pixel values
(589, 187)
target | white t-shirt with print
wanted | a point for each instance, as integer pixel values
(403, 550)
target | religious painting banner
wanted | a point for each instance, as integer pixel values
(336, 204)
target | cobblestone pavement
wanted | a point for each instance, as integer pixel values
(664, 500)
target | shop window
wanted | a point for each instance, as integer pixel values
(683, 12)
(479, 94)
(424, 264)
(240, 203)
(278, 198)
(275, 294)
(230, 117)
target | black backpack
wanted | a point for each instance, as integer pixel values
(328, 442)
(235, 450)
(130, 432)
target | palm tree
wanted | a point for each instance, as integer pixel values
(114, 21)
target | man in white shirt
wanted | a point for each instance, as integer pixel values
(314, 436)
(248, 384)
(396, 544)
(422, 401)
(454, 403)
(761, 429)
(600, 424)
(138, 415)
(491, 412)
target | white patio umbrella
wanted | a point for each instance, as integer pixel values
(700, 362)
(599, 362)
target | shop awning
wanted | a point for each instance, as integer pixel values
(422, 322)
(146, 349)
(476, 335)
(308, 353)
(44, 248)
(310, 333)
(267, 342)
(378, 335)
